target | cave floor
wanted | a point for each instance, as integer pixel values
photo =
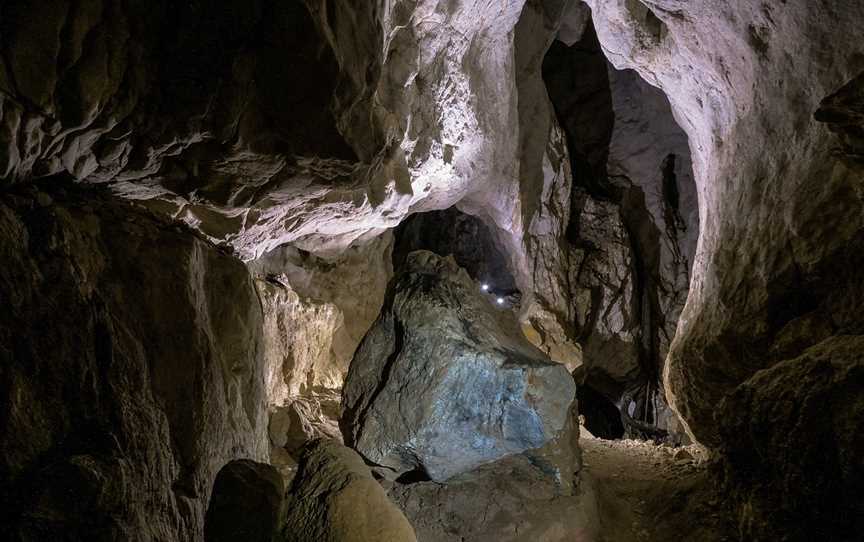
(646, 494)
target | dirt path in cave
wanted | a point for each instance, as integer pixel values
(647, 495)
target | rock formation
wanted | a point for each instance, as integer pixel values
(117, 412)
(633, 229)
(335, 499)
(444, 381)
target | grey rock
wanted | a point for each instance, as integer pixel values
(444, 381)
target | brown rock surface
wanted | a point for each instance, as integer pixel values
(335, 499)
(510, 500)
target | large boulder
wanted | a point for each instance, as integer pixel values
(445, 381)
(246, 503)
(334, 498)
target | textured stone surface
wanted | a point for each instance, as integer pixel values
(814, 407)
(316, 311)
(199, 110)
(509, 500)
(444, 380)
(335, 499)
(246, 503)
(117, 413)
(778, 256)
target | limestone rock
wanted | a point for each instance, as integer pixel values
(769, 226)
(117, 412)
(246, 503)
(314, 317)
(444, 381)
(335, 499)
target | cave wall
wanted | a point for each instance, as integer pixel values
(776, 267)
(131, 369)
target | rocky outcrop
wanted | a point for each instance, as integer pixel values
(316, 311)
(202, 111)
(335, 499)
(444, 380)
(510, 500)
(131, 369)
(765, 223)
(246, 503)
(843, 112)
(814, 407)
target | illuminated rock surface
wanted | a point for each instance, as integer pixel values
(137, 359)
(444, 381)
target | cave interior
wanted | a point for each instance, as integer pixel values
(431, 270)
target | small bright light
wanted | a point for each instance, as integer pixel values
(500, 300)
(485, 287)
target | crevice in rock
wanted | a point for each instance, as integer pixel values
(630, 164)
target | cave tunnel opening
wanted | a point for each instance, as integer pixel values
(471, 243)
(633, 223)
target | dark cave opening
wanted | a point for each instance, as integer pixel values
(468, 239)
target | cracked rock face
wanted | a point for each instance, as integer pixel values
(444, 381)
(316, 311)
(119, 413)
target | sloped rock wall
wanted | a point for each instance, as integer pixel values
(131, 369)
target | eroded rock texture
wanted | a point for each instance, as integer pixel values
(117, 411)
(316, 311)
(334, 498)
(259, 124)
(444, 381)
(813, 405)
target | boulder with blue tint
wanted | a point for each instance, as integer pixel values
(445, 381)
